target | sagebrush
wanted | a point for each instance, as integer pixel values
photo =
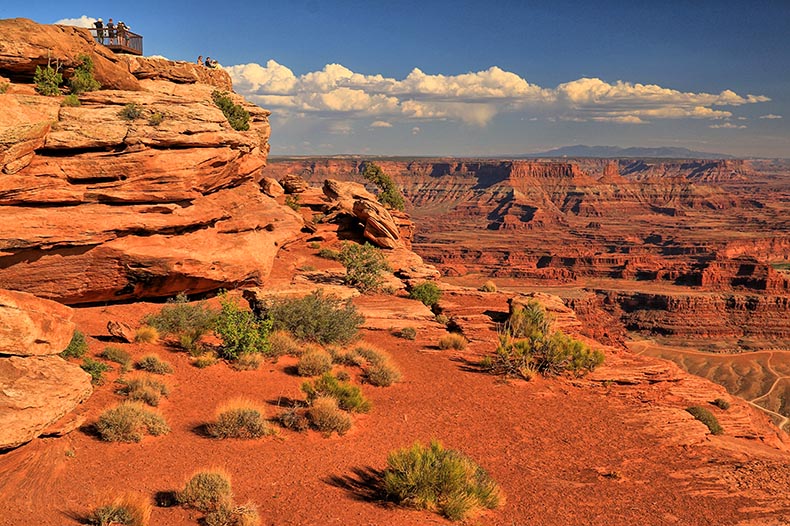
(365, 266)
(317, 317)
(129, 422)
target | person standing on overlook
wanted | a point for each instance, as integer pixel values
(111, 31)
(99, 25)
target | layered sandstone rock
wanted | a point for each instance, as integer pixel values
(37, 387)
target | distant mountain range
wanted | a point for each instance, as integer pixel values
(617, 152)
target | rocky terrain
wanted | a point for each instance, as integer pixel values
(110, 216)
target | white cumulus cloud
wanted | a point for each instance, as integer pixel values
(728, 126)
(380, 124)
(770, 116)
(83, 21)
(474, 98)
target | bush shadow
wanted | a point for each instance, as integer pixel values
(365, 484)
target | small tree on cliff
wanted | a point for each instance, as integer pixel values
(390, 194)
(83, 79)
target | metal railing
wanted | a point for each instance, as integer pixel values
(123, 41)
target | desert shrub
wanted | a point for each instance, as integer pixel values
(189, 322)
(239, 418)
(240, 330)
(119, 356)
(144, 389)
(364, 266)
(528, 321)
(440, 480)
(721, 403)
(453, 341)
(96, 369)
(324, 319)
(294, 418)
(131, 112)
(126, 510)
(228, 514)
(382, 374)
(349, 397)
(390, 195)
(314, 363)
(146, 334)
(407, 333)
(247, 362)
(442, 319)
(343, 376)
(281, 343)
(427, 292)
(488, 286)
(4, 87)
(153, 364)
(315, 245)
(205, 360)
(307, 268)
(206, 491)
(343, 357)
(77, 347)
(325, 415)
(128, 422)
(292, 202)
(70, 101)
(156, 118)
(707, 418)
(328, 253)
(83, 80)
(238, 117)
(48, 80)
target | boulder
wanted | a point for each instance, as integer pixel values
(380, 228)
(26, 44)
(293, 184)
(120, 330)
(36, 392)
(31, 326)
(271, 187)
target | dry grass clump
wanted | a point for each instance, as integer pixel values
(144, 389)
(453, 341)
(206, 491)
(314, 362)
(239, 418)
(349, 397)
(407, 333)
(119, 356)
(282, 343)
(232, 515)
(154, 364)
(325, 415)
(204, 360)
(128, 422)
(126, 510)
(146, 334)
(440, 480)
(294, 419)
(247, 362)
(488, 286)
(379, 369)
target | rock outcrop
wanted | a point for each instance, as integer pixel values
(37, 387)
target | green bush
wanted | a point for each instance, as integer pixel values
(364, 266)
(320, 318)
(240, 330)
(292, 202)
(390, 195)
(189, 322)
(77, 347)
(325, 415)
(314, 363)
(529, 321)
(127, 510)
(427, 292)
(131, 112)
(238, 117)
(239, 418)
(48, 80)
(119, 356)
(153, 364)
(315, 245)
(4, 87)
(96, 369)
(707, 418)
(721, 403)
(156, 118)
(441, 480)
(70, 101)
(349, 397)
(144, 389)
(328, 253)
(83, 80)
(128, 422)
(206, 491)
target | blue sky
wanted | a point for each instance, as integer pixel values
(471, 78)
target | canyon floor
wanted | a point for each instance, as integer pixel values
(600, 450)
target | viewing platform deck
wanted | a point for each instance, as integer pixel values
(119, 41)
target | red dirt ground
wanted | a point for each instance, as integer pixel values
(564, 453)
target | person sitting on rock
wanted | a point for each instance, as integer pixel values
(200, 60)
(211, 63)
(99, 24)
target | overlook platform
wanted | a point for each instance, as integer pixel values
(118, 41)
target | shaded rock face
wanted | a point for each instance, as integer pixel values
(37, 387)
(104, 208)
(353, 199)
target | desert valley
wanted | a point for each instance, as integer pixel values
(608, 339)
